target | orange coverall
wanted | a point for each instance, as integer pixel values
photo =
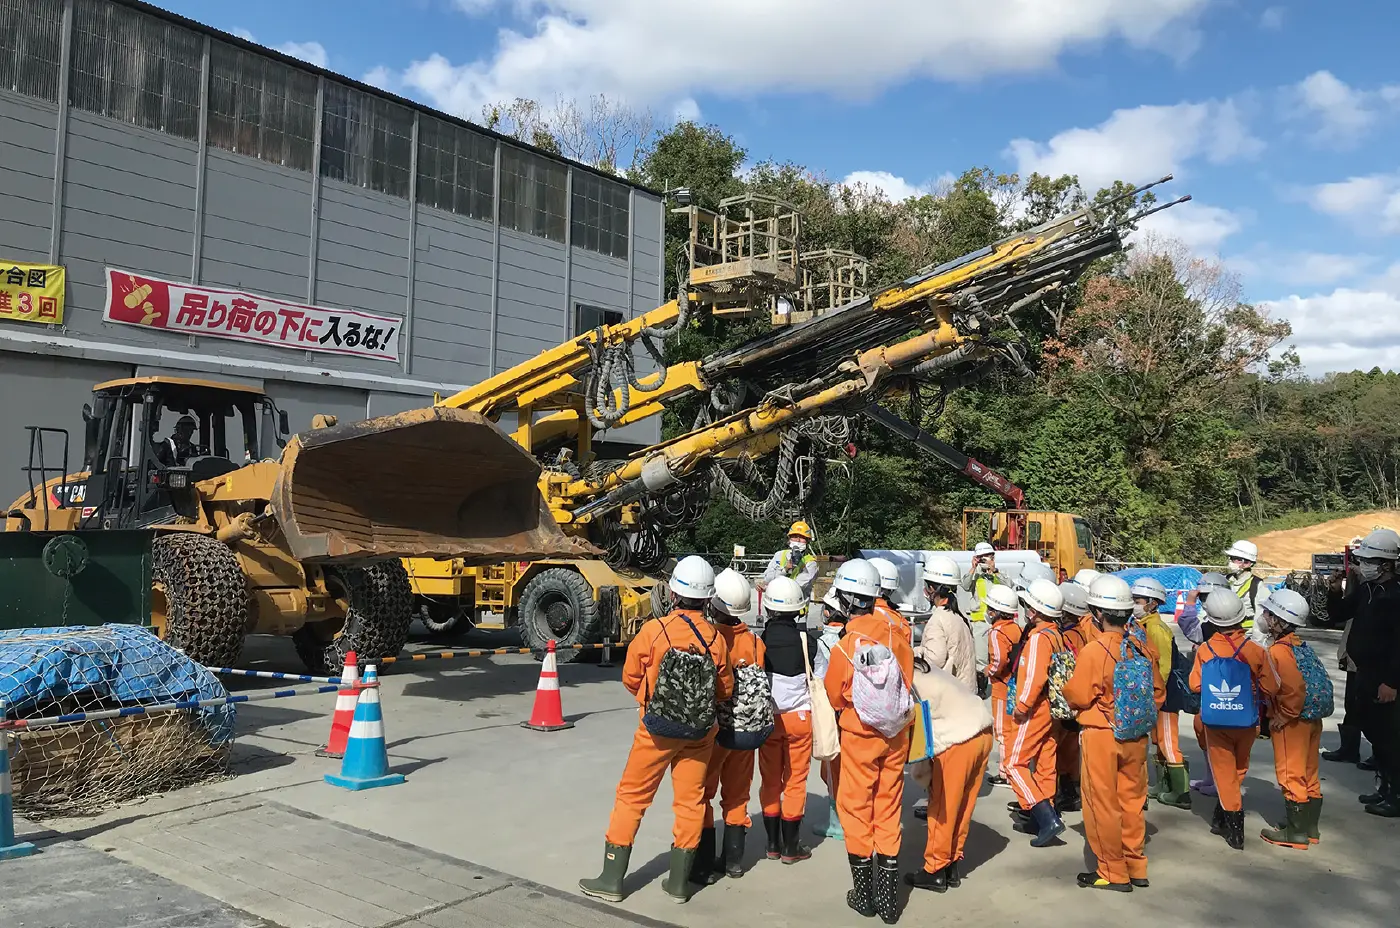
(1113, 773)
(894, 617)
(956, 780)
(1227, 749)
(1295, 741)
(783, 764)
(651, 756)
(870, 789)
(1067, 736)
(1034, 745)
(730, 773)
(1001, 640)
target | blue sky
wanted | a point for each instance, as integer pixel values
(1282, 119)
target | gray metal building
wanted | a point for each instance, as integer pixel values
(135, 139)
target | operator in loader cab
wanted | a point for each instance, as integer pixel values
(794, 562)
(178, 448)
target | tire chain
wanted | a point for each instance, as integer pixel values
(206, 597)
(381, 610)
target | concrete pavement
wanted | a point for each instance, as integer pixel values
(482, 789)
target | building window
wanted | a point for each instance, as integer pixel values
(587, 318)
(366, 141)
(135, 68)
(455, 166)
(533, 192)
(600, 215)
(31, 36)
(261, 108)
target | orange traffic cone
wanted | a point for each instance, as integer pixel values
(548, 714)
(345, 699)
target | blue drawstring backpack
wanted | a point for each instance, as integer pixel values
(1227, 693)
(1317, 685)
(1134, 702)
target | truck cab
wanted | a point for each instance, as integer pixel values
(1063, 540)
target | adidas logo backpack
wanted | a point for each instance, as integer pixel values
(1227, 692)
(1317, 685)
(1134, 702)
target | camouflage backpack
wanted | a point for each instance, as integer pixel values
(682, 706)
(746, 718)
(1060, 670)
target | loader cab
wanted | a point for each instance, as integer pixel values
(142, 463)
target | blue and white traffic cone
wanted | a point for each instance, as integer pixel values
(366, 763)
(10, 848)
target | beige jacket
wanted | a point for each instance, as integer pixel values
(956, 713)
(947, 645)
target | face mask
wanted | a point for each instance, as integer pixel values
(1368, 570)
(1139, 610)
(1237, 568)
(797, 547)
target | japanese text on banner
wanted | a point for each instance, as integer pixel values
(133, 299)
(31, 293)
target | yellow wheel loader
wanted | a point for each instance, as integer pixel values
(261, 532)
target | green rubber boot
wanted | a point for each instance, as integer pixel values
(677, 883)
(1159, 786)
(1177, 792)
(1314, 815)
(1293, 832)
(608, 886)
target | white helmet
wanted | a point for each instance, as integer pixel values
(858, 578)
(693, 578)
(1045, 597)
(1244, 551)
(1287, 605)
(1086, 577)
(1111, 593)
(1000, 598)
(942, 570)
(1211, 581)
(1224, 609)
(1076, 598)
(784, 596)
(733, 595)
(1381, 545)
(1149, 588)
(1032, 571)
(982, 549)
(889, 574)
(833, 602)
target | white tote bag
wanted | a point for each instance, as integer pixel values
(826, 736)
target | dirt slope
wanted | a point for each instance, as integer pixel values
(1293, 549)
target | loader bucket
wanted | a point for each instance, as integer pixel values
(436, 482)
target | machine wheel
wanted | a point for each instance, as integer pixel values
(199, 600)
(376, 625)
(558, 603)
(443, 620)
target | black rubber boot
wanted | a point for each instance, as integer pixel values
(1048, 826)
(1389, 804)
(1349, 751)
(793, 848)
(1382, 790)
(677, 882)
(1067, 795)
(703, 871)
(1234, 829)
(608, 885)
(1092, 880)
(734, 850)
(887, 888)
(1314, 817)
(953, 873)
(1294, 830)
(861, 897)
(922, 879)
(771, 827)
(1217, 820)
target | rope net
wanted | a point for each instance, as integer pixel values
(86, 765)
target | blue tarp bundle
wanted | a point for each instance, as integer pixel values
(1177, 580)
(106, 667)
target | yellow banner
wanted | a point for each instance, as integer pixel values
(31, 292)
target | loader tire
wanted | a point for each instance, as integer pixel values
(445, 621)
(558, 603)
(376, 625)
(200, 589)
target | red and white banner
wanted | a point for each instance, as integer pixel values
(133, 299)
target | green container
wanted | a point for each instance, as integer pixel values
(75, 578)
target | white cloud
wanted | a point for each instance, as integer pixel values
(686, 110)
(243, 34)
(897, 189)
(1266, 265)
(383, 78)
(1343, 114)
(643, 51)
(1141, 144)
(310, 52)
(1343, 330)
(1272, 18)
(1203, 229)
(1372, 201)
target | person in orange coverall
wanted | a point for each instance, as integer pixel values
(870, 793)
(1296, 740)
(1113, 773)
(1033, 752)
(1002, 638)
(730, 772)
(685, 628)
(1073, 630)
(1227, 749)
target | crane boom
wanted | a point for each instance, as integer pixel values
(968, 466)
